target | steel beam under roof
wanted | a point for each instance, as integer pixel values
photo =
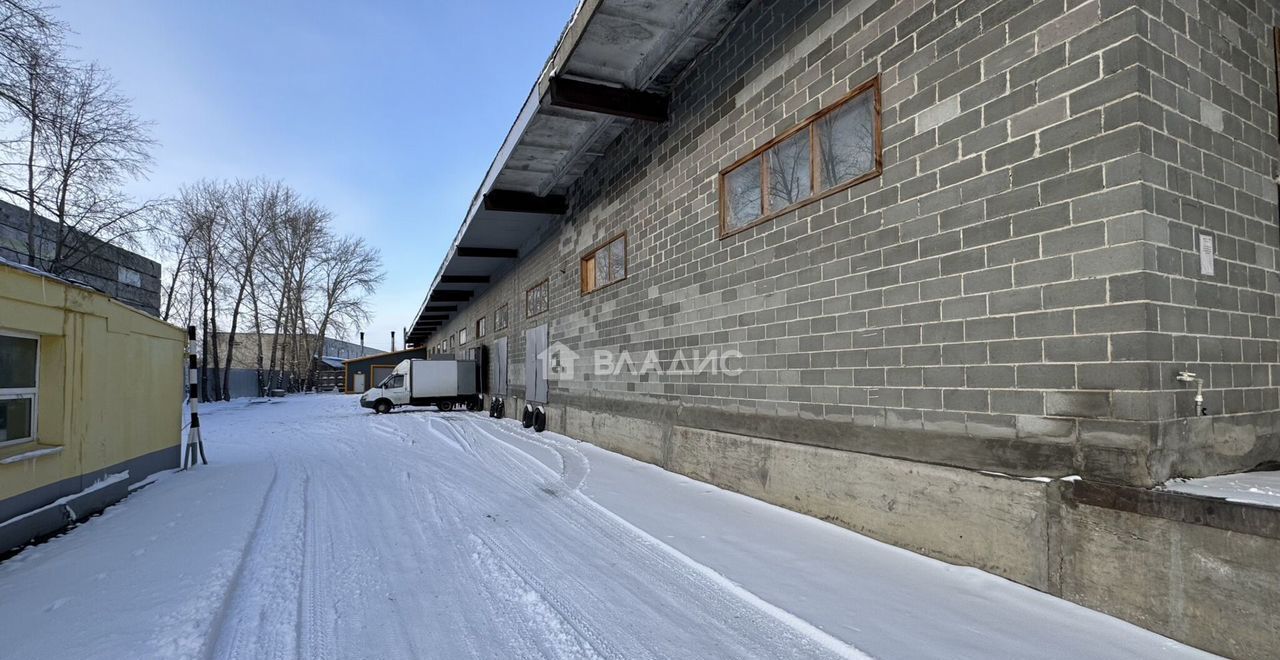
(611, 53)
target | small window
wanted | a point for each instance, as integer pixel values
(129, 276)
(834, 149)
(535, 299)
(605, 265)
(500, 318)
(481, 330)
(462, 336)
(394, 381)
(19, 368)
(453, 340)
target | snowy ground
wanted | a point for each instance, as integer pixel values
(323, 531)
(1248, 487)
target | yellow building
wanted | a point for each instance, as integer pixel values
(91, 396)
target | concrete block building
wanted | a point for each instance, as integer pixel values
(126, 276)
(965, 249)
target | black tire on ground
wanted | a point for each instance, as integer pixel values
(473, 404)
(493, 408)
(444, 406)
(382, 407)
(502, 409)
(539, 420)
(527, 419)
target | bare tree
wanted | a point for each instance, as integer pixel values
(256, 248)
(30, 66)
(249, 225)
(95, 143)
(348, 272)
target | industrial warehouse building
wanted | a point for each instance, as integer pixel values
(964, 248)
(91, 395)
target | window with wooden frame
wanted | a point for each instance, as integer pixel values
(19, 388)
(535, 299)
(462, 336)
(481, 327)
(500, 318)
(605, 265)
(834, 149)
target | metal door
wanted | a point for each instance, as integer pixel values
(380, 373)
(359, 387)
(500, 367)
(535, 368)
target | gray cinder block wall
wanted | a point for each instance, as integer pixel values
(1015, 293)
(126, 276)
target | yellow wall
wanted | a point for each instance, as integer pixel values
(111, 380)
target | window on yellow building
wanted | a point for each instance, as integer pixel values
(19, 366)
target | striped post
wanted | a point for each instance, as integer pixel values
(195, 445)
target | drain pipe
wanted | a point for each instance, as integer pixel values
(1190, 377)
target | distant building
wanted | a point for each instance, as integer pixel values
(245, 355)
(128, 277)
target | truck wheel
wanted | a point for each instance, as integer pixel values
(539, 420)
(527, 419)
(444, 406)
(382, 407)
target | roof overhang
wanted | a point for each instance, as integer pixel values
(614, 65)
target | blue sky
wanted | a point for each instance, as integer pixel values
(387, 112)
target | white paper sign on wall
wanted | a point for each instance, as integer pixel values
(1206, 254)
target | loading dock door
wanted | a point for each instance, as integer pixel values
(500, 367)
(535, 372)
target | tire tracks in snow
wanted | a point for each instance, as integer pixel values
(250, 623)
(636, 549)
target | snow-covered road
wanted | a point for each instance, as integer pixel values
(323, 531)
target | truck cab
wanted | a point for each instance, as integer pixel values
(391, 392)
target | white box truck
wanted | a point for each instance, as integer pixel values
(445, 384)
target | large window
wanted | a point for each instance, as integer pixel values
(535, 299)
(500, 318)
(19, 365)
(605, 265)
(826, 153)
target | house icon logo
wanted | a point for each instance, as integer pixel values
(558, 362)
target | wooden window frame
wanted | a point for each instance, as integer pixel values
(481, 328)
(626, 263)
(462, 337)
(505, 316)
(545, 282)
(872, 86)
